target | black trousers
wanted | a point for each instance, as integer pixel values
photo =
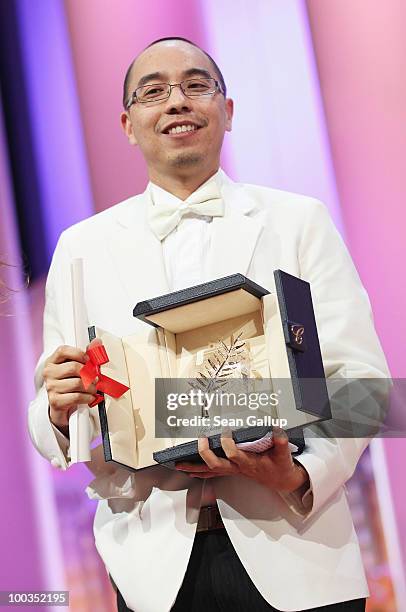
(216, 581)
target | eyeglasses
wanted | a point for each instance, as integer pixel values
(157, 92)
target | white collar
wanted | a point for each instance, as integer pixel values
(161, 196)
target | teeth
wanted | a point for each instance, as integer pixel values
(182, 128)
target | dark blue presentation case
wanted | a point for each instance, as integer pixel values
(278, 325)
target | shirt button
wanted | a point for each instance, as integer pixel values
(55, 462)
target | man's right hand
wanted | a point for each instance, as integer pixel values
(64, 385)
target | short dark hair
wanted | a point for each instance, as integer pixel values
(128, 73)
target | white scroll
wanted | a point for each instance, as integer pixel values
(80, 426)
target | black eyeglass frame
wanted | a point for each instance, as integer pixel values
(133, 98)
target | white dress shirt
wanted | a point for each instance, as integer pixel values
(185, 252)
(186, 248)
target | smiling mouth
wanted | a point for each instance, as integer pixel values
(181, 129)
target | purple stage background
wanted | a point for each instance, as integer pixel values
(320, 100)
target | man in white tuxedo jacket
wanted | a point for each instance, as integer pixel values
(288, 521)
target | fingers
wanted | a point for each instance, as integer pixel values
(279, 434)
(63, 402)
(61, 406)
(229, 447)
(63, 383)
(67, 353)
(280, 448)
(211, 460)
(205, 475)
(196, 470)
(274, 468)
(70, 385)
(213, 466)
(218, 467)
(188, 466)
(234, 454)
(69, 369)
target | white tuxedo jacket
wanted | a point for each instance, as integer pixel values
(145, 523)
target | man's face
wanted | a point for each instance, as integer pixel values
(148, 125)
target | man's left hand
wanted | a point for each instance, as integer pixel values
(275, 468)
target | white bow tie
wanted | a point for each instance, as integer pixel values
(163, 217)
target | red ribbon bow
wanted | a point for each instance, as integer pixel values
(97, 357)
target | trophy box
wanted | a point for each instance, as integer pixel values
(227, 339)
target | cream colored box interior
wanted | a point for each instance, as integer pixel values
(173, 350)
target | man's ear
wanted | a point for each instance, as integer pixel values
(229, 114)
(127, 126)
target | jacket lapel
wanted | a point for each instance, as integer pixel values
(235, 235)
(137, 253)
